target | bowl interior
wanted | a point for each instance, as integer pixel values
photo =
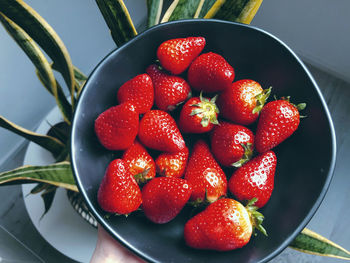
(305, 161)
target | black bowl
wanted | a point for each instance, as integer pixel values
(305, 161)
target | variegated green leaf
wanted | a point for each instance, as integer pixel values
(48, 196)
(49, 143)
(40, 62)
(118, 20)
(43, 34)
(79, 77)
(154, 10)
(204, 7)
(242, 11)
(61, 99)
(57, 174)
(181, 9)
(312, 243)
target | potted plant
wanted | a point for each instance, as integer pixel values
(35, 36)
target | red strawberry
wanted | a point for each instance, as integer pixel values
(139, 91)
(210, 72)
(117, 127)
(223, 225)
(118, 191)
(172, 164)
(255, 179)
(175, 55)
(169, 90)
(278, 120)
(232, 144)
(242, 101)
(164, 197)
(205, 175)
(158, 131)
(139, 163)
(198, 115)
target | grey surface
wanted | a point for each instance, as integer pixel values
(331, 219)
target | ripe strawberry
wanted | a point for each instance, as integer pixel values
(164, 197)
(118, 191)
(158, 131)
(139, 163)
(198, 115)
(117, 127)
(242, 101)
(223, 225)
(175, 55)
(210, 72)
(278, 120)
(172, 164)
(255, 179)
(169, 90)
(139, 91)
(205, 175)
(232, 144)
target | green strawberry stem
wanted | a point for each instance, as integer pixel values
(208, 109)
(248, 152)
(261, 99)
(141, 178)
(256, 217)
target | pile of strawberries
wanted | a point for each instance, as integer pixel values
(177, 143)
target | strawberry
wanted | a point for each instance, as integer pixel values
(172, 164)
(139, 163)
(224, 225)
(255, 179)
(169, 90)
(117, 127)
(232, 144)
(278, 120)
(158, 131)
(198, 115)
(164, 197)
(118, 191)
(210, 72)
(175, 55)
(242, 101)
(205, 175)
(139, 91)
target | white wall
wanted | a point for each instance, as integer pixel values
(318, 30)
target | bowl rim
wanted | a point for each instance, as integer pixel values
(311, 212)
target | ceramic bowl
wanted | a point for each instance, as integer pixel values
(305, 161)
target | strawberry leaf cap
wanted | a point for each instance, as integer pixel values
(261, 99)
(248, 152)
(208, 109)
(255, 216)
(141, 178)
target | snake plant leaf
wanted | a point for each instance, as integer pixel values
(61, 99)
(154, 10)
(49, 143)
(48, 196)
(38, 188)
(41, 64)
(118, 20)
(312, 243)
(203, 8)
(43, 34)
(242, 11)
(181, 9)
(79, 77)
(57, 174)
